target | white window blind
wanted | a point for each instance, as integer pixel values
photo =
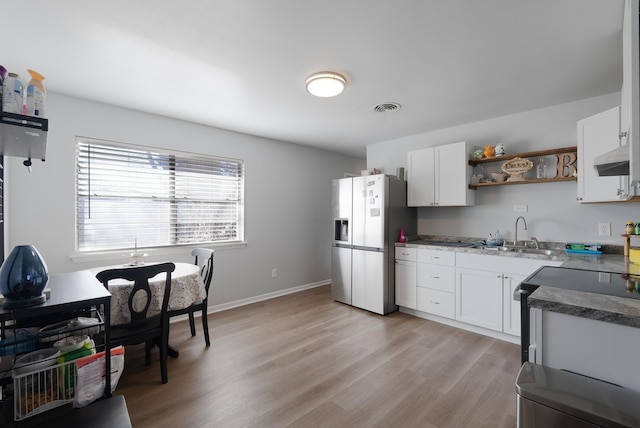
(128, 195)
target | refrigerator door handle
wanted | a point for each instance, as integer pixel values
(336, 244)
(359, 247)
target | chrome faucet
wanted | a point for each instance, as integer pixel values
(515, 240)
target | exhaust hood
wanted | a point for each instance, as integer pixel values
(615, 162)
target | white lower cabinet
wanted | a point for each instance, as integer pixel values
(511, 315)
(406, 277)
(437, 302)
(474, 291)
(485, 286)
(436, 283)
(479, 298)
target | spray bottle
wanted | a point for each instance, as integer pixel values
(35, 95)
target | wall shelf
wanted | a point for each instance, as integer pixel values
(23, 136)
(534, 180)
(572, 149)
(525, 155)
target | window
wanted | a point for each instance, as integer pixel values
(129, 195)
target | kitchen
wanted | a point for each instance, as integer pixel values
(39, 204)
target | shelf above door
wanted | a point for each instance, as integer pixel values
(23, 136)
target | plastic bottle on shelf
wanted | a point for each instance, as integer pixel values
(12, 94)
(498, 238)
(541, 169)
(36, 95)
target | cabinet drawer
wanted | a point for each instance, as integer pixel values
(404, 253)
(447, 258)
(438, 277)
(437, 302)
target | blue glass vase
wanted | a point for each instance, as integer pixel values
(23, 277)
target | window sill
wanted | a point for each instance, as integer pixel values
(118, 256)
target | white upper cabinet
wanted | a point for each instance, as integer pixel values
(597, 135)
(630, 108)
(615, 127)
(439, 176)
(420, 178)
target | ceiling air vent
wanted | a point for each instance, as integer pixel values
(386, 107)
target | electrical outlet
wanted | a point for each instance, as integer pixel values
(274, 273)
(520, 208)
(604, 277)
(604, 229)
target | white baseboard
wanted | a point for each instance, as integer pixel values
(256, 299)
(462, 325)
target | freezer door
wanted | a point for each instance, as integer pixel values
(369, 199)
(368, 284)
(342, 200)
(341, 274)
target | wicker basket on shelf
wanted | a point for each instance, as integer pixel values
(516, 168)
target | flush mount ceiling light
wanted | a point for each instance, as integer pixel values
(326, 84)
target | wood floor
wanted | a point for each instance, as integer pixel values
(303, 360)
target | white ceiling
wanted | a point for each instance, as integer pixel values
(241, 64)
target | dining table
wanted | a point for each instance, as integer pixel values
(187, 287)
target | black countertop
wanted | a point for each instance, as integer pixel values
(604, 296)
(585, 281)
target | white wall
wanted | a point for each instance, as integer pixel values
(288, 194)
(553, 215)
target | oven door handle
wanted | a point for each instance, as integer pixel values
(523, 297)
(517, 292)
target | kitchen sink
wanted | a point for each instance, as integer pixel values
(527, 250)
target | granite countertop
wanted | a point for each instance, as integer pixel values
(612, 309)
(561, 256)
(601, 307)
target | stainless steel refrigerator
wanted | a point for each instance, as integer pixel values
(368, 213)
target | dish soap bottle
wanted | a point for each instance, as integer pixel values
(498, 238)
(35, 95)
(541, 170)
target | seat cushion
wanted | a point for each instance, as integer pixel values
(108, 413)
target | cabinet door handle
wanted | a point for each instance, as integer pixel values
(435, 257)
(435, 277)
(435, 303)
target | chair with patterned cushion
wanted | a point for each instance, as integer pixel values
(204, 260)
(143, 327)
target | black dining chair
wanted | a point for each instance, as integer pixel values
(143, 328)
(204, 260)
